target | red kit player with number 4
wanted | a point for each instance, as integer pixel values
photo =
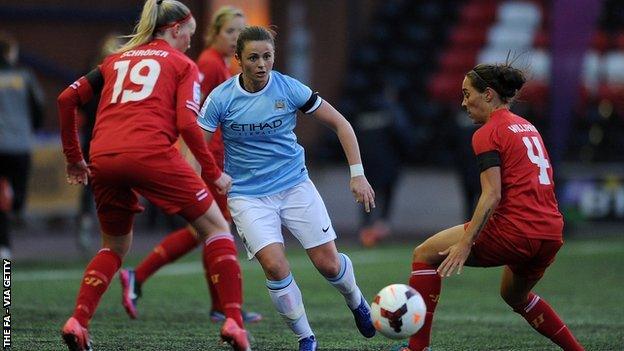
(150, 95)
(516, 223)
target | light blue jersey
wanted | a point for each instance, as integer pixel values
(261, 151)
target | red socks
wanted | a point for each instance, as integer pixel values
(545, 320)
(427, 282)
(537, 312)
(219, 256)
(173, 246)
(95, 281)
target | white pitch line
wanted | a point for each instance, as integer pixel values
(358, 257)
(187, 268)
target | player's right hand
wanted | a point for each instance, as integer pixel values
(78, 173)
(223, 183)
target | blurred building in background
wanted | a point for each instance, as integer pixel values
(350, 50)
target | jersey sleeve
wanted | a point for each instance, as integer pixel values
(486, 148)
(302, 97)
(188, 96)
(209, 116)
(77, 94)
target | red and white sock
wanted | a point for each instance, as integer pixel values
(219, 257)
(95, 281)
(545, 320)
(427, 282)
(172, 247)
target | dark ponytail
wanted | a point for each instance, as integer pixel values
(502, 78)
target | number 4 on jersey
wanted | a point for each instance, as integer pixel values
(538, 159)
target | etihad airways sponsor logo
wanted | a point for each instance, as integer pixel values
(262, 128)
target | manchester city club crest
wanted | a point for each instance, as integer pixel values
(280, 105)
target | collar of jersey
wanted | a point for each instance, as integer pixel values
(259, 92)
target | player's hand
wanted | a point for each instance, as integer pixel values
(223, 183)
(363, 192)
(456, 256)
(78, 173)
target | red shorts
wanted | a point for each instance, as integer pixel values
(524, 256)
(165, 179)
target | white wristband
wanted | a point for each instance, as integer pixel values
(356, 170)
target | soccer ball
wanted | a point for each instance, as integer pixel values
(398, 311)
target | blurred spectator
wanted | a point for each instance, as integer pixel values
(386, 135)
(21, 112)
(86, 212)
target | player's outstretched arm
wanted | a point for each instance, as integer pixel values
(361, 189)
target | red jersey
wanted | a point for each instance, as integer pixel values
(149, 93)
(528, 206)
(214, 71)
(149, 96)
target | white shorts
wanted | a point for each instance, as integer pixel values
(301, 209)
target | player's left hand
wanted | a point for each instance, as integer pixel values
(363, 192)
(456, 256)
(78, 173)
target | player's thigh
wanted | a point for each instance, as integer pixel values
(257, 222)
(116, 201)
(303, 212)
(210, 223)
(221, 201)
(428, 251)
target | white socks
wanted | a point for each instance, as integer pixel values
(345, 282)
(287, 299)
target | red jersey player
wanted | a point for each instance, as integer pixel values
(149, 96)
(516, 223)
(226, 24)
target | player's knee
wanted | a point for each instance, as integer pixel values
(276, 269)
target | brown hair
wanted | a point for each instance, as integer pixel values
(502, 78)
(254, 33)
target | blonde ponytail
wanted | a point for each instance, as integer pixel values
(155, 14)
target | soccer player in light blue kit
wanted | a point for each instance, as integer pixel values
(257, 112)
